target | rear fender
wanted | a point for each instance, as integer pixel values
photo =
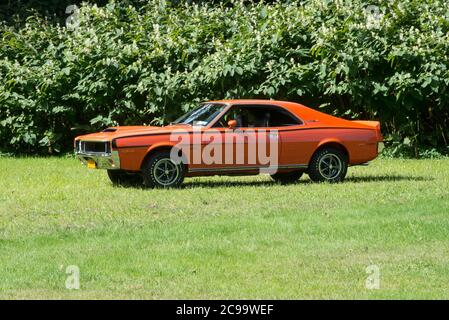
(373, 125)
(335, 142)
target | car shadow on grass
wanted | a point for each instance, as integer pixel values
(206, 182)
(387, 178)
(249, 183)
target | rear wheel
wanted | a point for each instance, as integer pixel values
(328, 164)
(287, 177)
(160, 171)
(121, 177)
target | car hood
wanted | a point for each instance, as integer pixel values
(126, 131)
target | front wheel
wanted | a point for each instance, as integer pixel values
(328, 164)
(160, 171)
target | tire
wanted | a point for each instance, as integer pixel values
(123, 178)
(153, 175)
(287, 177)
(321, 171)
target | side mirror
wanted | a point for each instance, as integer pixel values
(232, 124)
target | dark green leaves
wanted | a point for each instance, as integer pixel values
(130, 65)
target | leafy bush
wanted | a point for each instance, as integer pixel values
(127, 64)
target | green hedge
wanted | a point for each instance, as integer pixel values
(128, 64)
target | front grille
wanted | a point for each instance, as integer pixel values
(94, 147)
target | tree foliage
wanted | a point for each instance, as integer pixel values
(128, 64)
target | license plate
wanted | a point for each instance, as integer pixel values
(91, 164)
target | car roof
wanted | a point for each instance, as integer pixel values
(250, 101)
(306, 114)
(296, 108)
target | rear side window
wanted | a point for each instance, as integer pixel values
(280, 117)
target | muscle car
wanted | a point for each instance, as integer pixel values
(233, 137)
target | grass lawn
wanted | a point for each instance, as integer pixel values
(224, 237)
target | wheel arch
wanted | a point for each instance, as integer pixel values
(336, 144)
(154, 149)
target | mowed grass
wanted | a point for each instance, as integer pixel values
(224, 237)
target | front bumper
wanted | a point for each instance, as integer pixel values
(110, 161)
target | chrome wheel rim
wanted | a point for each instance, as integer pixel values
(165, 172)
(329, 166)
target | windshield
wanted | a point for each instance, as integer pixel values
(202, 115)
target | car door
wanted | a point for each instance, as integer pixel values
(293, 153)
(234, 147)
(252, 144)
(283, 131)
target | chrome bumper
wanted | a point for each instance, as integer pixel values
(108, 161)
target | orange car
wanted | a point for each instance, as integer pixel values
(233, 137)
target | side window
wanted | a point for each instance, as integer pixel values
(280, 118)
(258, 116)
(235, 113)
